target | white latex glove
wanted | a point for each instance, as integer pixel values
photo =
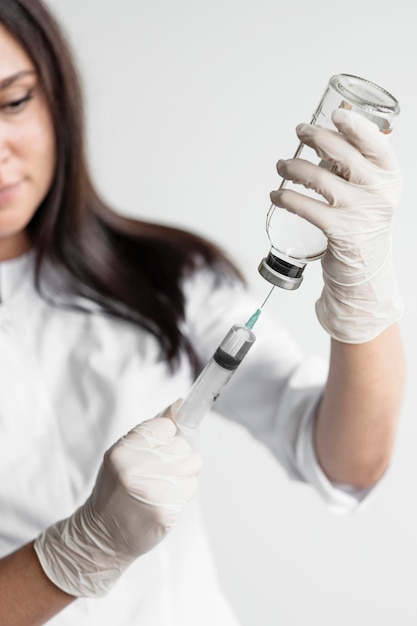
(360, 195)
(143, 485)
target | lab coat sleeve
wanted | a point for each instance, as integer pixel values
(275, 391)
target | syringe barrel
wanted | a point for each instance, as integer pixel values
(216, 374)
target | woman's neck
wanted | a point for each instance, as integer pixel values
(14, 245)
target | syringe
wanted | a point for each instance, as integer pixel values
(215, 375)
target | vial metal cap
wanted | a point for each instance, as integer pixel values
(281, 274)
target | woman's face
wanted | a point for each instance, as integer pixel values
(27, 146)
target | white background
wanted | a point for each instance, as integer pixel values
(189, 106)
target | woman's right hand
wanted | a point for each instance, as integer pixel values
(144, 483)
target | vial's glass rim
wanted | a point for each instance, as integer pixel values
(336, 82)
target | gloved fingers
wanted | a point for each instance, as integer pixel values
(171, 411)
(160, 477)
(176, 459)
(152, 433)
(164, 492)
(340, 155)
(365, 135)
(314, 211)
(156, 431)
(180, 456)
(132, 456)
(333, 188)
(184, 462)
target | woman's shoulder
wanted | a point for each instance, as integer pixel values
(210, 293)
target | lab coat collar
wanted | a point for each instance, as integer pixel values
(13, 276)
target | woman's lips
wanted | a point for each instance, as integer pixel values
(8, 191)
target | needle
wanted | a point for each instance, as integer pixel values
(254, 318)
(269, 293)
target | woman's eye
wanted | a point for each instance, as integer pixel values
(17, 104)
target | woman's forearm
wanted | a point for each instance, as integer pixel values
(27, 596)
(357, 418)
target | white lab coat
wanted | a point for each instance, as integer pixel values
(72, 383)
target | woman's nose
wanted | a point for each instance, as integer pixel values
(4, 144)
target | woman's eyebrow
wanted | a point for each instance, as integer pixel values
(6, 82)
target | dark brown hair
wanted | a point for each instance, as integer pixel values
(133, 269)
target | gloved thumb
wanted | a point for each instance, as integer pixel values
(161, 428)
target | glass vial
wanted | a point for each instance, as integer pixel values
(294, 241)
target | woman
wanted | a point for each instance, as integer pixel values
(106, 320)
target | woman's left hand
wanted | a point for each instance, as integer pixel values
(361, 188)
